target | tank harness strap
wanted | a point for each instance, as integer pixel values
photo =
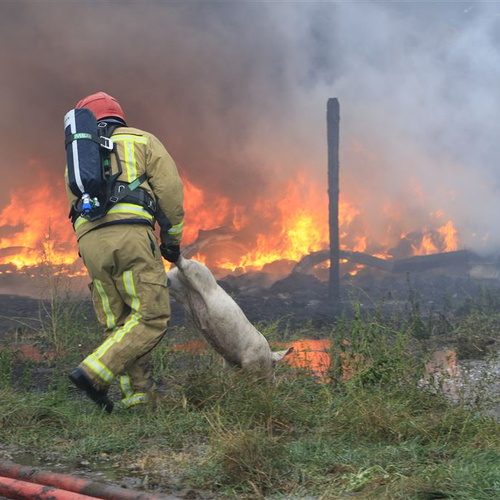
(127, 189)
(139, 196)
(104, 142)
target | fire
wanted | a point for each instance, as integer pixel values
(444, 239)
(380, 255)
(34, 227)
(311, 355)
(302, 227)
(39, 227)
(200, 258)
(450, 235)
(357, 268)
(198, 216)
(347, 212)
(427, 247)
(360, 245)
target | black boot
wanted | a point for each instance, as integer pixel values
(83, 382)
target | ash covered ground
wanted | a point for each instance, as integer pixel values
(298, 298)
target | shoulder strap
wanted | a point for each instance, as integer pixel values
(124, 190)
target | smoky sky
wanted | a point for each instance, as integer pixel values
(237, 92)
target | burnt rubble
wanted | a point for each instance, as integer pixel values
(435, 281)
(298, 292)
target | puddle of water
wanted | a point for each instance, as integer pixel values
(103, 469)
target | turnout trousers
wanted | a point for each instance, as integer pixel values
(131, 300)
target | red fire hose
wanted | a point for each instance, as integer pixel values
(22, 490)
(80, 488)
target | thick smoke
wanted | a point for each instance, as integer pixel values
(237, 92)
(420, 94)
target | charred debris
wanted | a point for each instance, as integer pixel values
(301, 290)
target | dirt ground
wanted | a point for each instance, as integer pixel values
(16, 313)
(23, 315)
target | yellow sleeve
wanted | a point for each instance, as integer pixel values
(166, 184)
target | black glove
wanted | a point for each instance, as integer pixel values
(170, 252)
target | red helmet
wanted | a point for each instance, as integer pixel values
(102, 105)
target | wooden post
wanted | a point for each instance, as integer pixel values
(333, 122)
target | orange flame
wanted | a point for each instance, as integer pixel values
(450, 235)
(302, 226)
(427, 246)
(46, 232)
(312, 355)
(35, 226)
(198, 216)
(444, 239)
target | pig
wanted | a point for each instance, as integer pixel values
(220, 320)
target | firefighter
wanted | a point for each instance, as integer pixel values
(124, 261)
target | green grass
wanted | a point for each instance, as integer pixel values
(246, 439)
(378, 435)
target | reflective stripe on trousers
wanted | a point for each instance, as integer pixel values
(93, 361)
(130, 398)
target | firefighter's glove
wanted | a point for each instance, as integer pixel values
(170, 253)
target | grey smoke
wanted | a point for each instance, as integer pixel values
(237, 92)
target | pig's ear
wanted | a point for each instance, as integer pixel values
(279, 355)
